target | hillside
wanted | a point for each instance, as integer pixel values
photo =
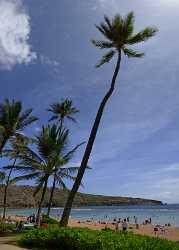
(22, 196)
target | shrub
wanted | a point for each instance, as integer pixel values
(47, 219)
(85, 239)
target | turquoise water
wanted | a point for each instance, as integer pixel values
(159, 214)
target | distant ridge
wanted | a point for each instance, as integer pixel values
(22, 196)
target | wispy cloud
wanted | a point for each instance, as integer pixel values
(46, 60)
(14, 35)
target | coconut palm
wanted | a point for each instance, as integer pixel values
(17, 145)
(119, 37)
(62, 110)
(13, 120)
(63, 171)
(44, 161)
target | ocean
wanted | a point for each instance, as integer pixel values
(160, 214)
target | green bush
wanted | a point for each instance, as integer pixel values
(85, 239)
(47, 219)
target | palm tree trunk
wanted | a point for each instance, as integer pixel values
(41, 202)
(5, 190)
(51, 196)
(2, 143)
(81, 171)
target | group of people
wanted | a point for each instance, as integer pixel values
(31, 218)
(124, 223)
(147, 221)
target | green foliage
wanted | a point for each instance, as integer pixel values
(63, 109)
(2, 177)
(47, 219)
(13, 120)
(119, 35)
(85, 239)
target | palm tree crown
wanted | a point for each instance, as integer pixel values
(119, 34)
(63, 109)
(13, 120)
(47, 158)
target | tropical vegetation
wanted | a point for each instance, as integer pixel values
(86, 239)
(13, 120)
(46, 156)
(119, 37)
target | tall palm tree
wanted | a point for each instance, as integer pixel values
(119, 36)
(13, 120)
(17, 145)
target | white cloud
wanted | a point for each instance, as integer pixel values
(14, 35)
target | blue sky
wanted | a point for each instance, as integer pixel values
(46, 54)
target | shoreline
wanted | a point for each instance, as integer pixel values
(167, 232)
(94, 205)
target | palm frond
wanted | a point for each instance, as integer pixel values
(129, 24)
(106, 58)
(69, 155)
(108, 22)
(132, 53)
(142, 36)
(60, 182)
(2, 176)
(102, 44)
(27, 122)
(25, 177)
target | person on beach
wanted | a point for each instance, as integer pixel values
(117, 226)
(136, 222)
(33, 218)
(124, 225)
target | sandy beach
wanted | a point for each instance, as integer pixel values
(171, 233)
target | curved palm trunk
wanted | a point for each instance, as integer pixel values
(51, 196)
(5, 190)
(81, 171)
(41, 202)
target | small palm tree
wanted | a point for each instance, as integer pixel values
(13, 120)
(44, 161)
(119, 37)
(17, 145)
(61, 110)
(62, 170)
